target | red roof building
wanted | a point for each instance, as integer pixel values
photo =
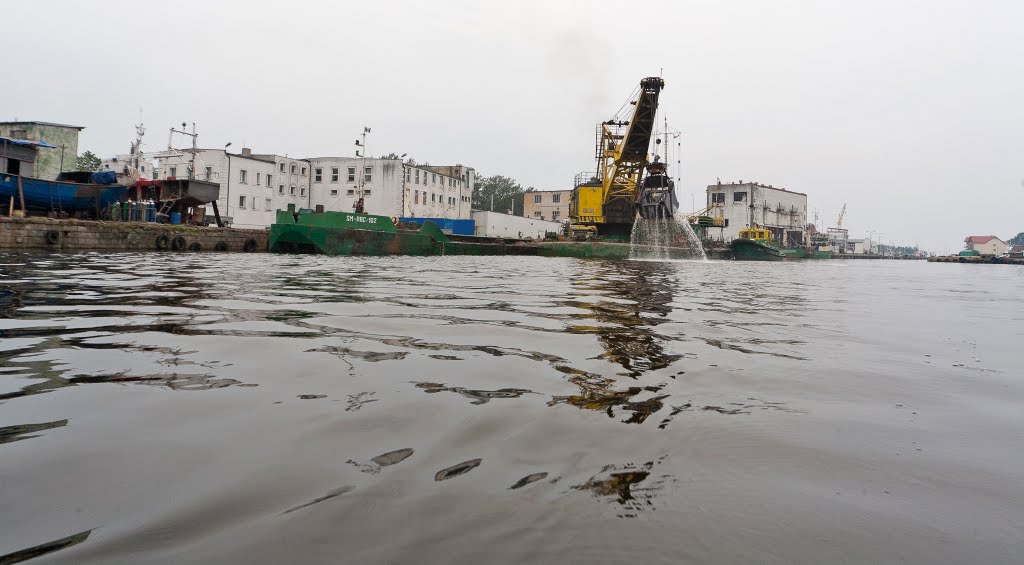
(986, 244)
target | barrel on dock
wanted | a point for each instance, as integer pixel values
(175, 218)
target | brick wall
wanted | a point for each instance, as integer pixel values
(84, 235)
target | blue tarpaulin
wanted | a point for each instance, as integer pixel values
(449, 226)
(26, 142)
(103, 177)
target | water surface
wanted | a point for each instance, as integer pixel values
(257, 408)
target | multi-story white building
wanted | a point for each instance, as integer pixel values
(252, 187)
(782, 211)
(390, 187)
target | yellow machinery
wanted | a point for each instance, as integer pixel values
(608, 199)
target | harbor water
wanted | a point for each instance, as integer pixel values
(297, 409)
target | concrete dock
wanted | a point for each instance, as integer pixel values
(26, 234)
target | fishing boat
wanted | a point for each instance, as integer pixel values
(755, 244)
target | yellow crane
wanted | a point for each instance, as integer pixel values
(608, 200)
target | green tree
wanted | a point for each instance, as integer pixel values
(87, 162)
(507, 194)
(1017, 239)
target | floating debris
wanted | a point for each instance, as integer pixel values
(456, 470)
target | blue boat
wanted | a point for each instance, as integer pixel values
(74, 193)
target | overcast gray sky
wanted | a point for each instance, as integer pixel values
(911, 112)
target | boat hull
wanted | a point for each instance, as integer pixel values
(338, 233)
(753, 250)
(42, 194)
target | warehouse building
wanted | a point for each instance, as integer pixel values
(781, 211)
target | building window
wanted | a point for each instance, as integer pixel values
(417, 176)
(172, 172)
(280, 189)
(556, 198)
(536, 214)
(241, 201)
(268, 181)
(536, 199)
(433, 179)
(366, 192)
(408, 175)
(293, 168)
(282, 167)
(335, 174)
(554, 216)
(351, 174)
(718, 198)
(209, 172)
(318, 175)
(350, 192)
(292, 190)
(243, 176)
(269, 205)
(334, 192)
(254, 203)
(302, 191)
(739, 196)
(303, 171)
(257, 179)
(367, 174)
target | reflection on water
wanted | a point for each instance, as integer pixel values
(351, 403)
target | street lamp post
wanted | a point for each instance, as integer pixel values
(227, 197)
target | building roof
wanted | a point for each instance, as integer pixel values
(981, 239)
(722, 185)
(25, 142)
(51, 124)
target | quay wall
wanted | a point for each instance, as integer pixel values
(977, 260)
(25, 234)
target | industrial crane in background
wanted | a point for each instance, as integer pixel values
(842, 213)
(609, 200)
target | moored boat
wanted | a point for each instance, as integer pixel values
(755, 244)
(75, 193)
(343, 233)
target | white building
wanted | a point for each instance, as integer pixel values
(496, 224)
(117, 163)
(390, 187)
(252, 187)
(782, 211)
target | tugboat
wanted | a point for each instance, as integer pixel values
(755, 244)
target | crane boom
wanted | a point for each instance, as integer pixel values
(839, 222)
(608, 199)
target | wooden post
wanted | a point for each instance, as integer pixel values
(21, 195)
(10, 209)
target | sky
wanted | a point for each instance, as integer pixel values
(909, 112)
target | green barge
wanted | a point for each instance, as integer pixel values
(341, 233)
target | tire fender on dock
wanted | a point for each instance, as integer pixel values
(178, 243)
(250, 245)
(52, 237)
(162, 241)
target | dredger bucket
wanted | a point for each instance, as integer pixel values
(653, 203)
